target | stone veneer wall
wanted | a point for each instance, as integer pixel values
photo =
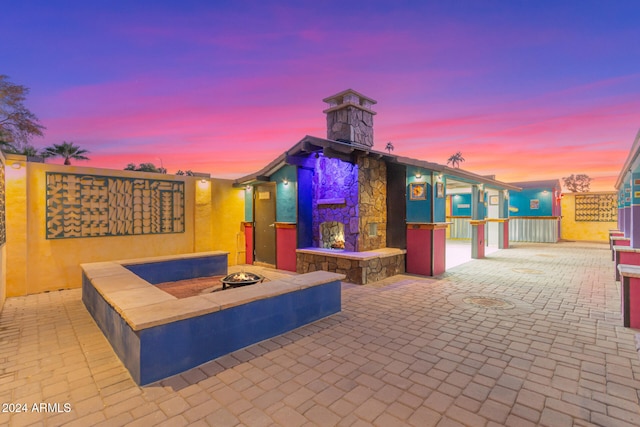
(364, 189)
(357, 271)
(351, 124)
(372, 192)
(335, 179)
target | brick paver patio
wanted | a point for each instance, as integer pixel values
(530, 336)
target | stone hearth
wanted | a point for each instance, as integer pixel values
(359, 267)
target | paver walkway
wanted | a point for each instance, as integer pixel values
(531, 336)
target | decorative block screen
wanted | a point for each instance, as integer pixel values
(596, 207)
(94, 206)
(3, 214)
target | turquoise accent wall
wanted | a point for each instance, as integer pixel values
(635, 188)
(418, 210)
(627, 194)
(520, 202)
(248, 204)
(440, 203)
(504, 205)
(286, 195)
(461, 205)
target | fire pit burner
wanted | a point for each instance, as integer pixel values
(240, 279)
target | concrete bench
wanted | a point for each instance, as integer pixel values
(630, 295)
(157, 335)
(625, 255)
(618, 241)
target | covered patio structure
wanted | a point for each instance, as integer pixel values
(337, 204)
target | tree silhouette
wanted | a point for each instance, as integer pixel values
(66, 150)
(577, 184)
(17, 123)
(145, 167)
(456, 159)
(389, 147)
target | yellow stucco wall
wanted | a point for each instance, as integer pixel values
(3, 250)
(36, 264)
(226, 219)
(580, 230)
(16, 223)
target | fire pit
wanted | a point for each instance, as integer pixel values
(240, 279)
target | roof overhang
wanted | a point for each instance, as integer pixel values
(351, 152)
(631, 164)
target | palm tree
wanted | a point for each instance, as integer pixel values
(456, 159)
(389, 147)
(68, 150)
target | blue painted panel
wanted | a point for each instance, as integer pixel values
(286, 206)
(305, 208)
(418, 210)
(634, 186)
(627, 194)
(181, 269)
(520, 203)
(440, 205)
(122, 338)
(248, 204)
(175, 347)
(461, 205)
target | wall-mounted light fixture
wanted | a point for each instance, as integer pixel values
(248, 188)
(418, 175)
(285, 181)
(15, 165)
(439, 178)
(203, 181)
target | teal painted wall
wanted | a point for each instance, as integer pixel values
(248, 204)
(520, 202)
(440, 203)
(627, 194)
(461, 205)
(418, 210)
(286, 195)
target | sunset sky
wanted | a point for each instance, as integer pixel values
(526, 90)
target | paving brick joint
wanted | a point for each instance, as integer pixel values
(542, 345)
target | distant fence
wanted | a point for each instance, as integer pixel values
(460, 228)
(533, 229)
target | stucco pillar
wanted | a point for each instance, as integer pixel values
(626, 227)
(634, 210)
(503, 217)
(286, 244)
(477, 222)
(621, 209)
(248, 242)
(426, 248)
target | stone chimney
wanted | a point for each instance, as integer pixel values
(350, 118)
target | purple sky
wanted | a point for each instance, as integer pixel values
(526, 90)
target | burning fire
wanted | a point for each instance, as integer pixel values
(242, 276)
(337, 244)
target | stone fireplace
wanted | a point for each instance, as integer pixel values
(349, 198)
(332, 235)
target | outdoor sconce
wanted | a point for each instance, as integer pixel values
(203, 181)
(15, 165)
(285, 181)
(248, 188)
(418, 175)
